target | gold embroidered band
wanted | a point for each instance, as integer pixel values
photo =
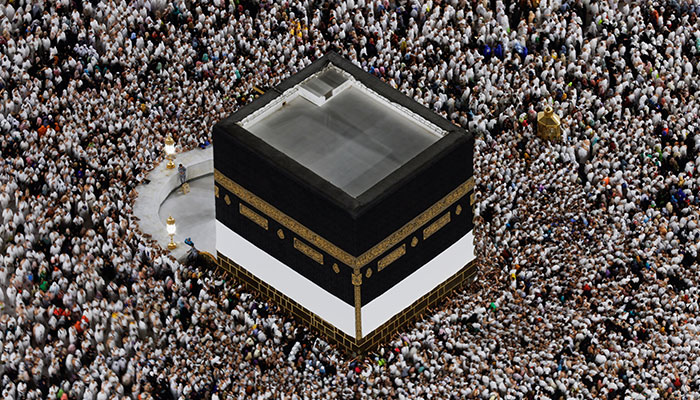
(358, 304)
(252, 215)
(413, 225)
(391, 257)
(436, 226)
(291, 224)
(331, 249)
(308, 251)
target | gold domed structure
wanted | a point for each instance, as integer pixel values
(548, 124)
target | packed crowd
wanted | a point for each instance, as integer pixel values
(588, 284)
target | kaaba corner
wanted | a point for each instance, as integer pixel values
(345, 202)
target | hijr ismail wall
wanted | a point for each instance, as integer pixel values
(354, 268)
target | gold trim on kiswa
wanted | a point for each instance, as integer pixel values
(291, 224)
(356, 279)
(328, 247)
(308, 251)
(358, 306)
(413, 225)
(391, 257)
(252, 215)
(437, 225)
(469, 184)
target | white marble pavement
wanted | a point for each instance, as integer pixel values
(163, 181)
(194, 212)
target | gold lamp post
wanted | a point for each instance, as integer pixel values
(170, 151)
(548, 124)
(170, 226)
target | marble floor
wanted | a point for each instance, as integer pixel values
(194, 212)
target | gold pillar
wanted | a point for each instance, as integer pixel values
(357, 282)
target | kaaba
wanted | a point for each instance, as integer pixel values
(344, 202)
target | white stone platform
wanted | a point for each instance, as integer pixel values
(192, 211)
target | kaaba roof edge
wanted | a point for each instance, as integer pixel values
(453, 136)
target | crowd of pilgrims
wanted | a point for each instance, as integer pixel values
(588, 246)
